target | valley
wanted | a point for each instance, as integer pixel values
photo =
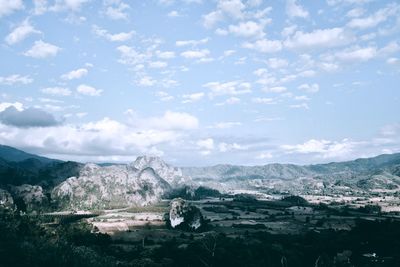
(148, 213)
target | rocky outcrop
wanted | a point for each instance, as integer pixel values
(29, 197)
(140, 183)
(184, 216)
(6, 200)
(170, 174)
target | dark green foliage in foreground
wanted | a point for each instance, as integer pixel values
(191, 193)
(24, 241)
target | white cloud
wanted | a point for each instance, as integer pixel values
(293, 10)
(73, 5)
(355, 12)
(207, 144)
(264, 46)
(309, 88)
(263, 100)
(170, 121)
(191, 42)
(40, 7)
(233, 8)
(225, 8)
(75, 74)
(88, 90)
(21, 32)
(116, 10)
(101, 140)
(7, 7)
(275, 89)
(375, 19)
(300, 106)
(19, 106)
(228, 88)
(15, 79)
(357, 54)
(277, 63)
(60, 91)
(146, 81)
(230, 101)
(130, 56)
(212, 18)
(225, 125)
(118, 37)
(225, 147)
(195, 53)
(393, 60)
(164, 96)
(41, 49)
(190, 98)
(158, 64)
(173, 14)
(165, 54)
(324, 38)
(326, 148)
(248, 29)
(265, 155)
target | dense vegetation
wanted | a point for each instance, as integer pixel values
(25, 241)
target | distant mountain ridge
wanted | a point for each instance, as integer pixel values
(147, 179)
(15, 155)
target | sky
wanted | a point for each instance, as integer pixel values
(201, 82)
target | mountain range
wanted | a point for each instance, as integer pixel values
(34, 180)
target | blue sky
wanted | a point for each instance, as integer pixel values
(201, 82)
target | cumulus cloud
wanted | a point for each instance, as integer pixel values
(165, 54)
(248, 29)
(181, 43)
(88, 90)
(158, 64)
(324, 148)
(263, 100)
(164, 96)
(293, 10)
(17, 105)
(117, 37)
(116, 10)
(173, 121)
(320, 38)
(228, 88)
(190, 98)
(195, 54)
(277, 63)
(15, 79)
(225, 125)
(74, 74)
(375, 19)
(30, 117)
(275, 89)
(264, 45)
(8, 7)
(309, 88)
(72, 5)
(20, 33)
(41, 49)
(357, 54)
(233, 9)
(58, 91)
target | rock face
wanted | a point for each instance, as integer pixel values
(170, 174)
(6, 200)
(140, 183)
(28, 197)
(184, 216)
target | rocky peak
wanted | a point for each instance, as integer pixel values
(172, 175)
